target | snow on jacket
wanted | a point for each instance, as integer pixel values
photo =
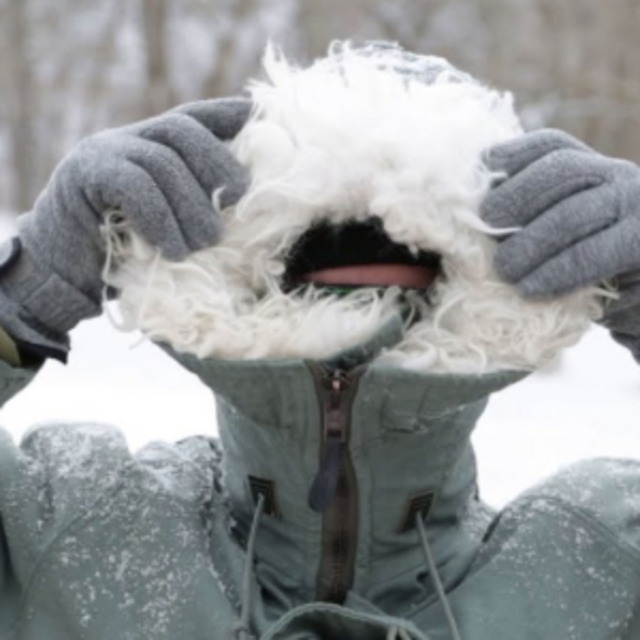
(97, 543)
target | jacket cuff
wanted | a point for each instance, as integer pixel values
(9, 349)
(33, 340)
(60, 304)
(14, 379)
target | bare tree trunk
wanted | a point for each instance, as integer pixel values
(22, 107)
(406, 22)
(625, 140)
(158, 94)
(222, 78)
(95, 91)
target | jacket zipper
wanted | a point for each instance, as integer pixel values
(334, 492)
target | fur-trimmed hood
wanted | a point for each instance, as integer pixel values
(362, 133)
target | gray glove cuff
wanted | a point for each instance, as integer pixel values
(37, 306)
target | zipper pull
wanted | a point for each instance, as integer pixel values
(325, 484)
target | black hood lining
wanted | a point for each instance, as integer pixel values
(327, 246)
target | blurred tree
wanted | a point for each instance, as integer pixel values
(226, 75)
(318, 24)
(158, 92)
(232, 38)
(21, 107)
(70, 67)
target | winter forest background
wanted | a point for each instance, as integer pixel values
(71, 67)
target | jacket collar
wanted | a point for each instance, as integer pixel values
(253, 384)
(409, 438)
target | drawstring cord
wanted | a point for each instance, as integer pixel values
(397, 633)
(241, 629)
(437, 582)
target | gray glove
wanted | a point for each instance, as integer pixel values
(160, 173)
(579, 218)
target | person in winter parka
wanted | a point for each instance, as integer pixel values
(386, 248)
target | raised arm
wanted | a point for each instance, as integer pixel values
(163, 175)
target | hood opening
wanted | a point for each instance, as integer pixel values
(328, 247)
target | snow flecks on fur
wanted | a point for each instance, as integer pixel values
(347, 139)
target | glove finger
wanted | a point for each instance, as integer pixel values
(565, 224)
(224, 117)
(208, 159)
(598, 258)
(191, 207)
(542, 185)
(118, 184)
(516, 155)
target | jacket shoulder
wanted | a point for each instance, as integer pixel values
(56, 473)
(63, 473)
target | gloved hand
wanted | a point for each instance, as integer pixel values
(161, 173)
(578, 214)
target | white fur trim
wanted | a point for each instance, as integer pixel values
(345, 140)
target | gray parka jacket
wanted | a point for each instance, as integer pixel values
(340, 496)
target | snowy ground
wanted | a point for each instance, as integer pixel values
(589, 407)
